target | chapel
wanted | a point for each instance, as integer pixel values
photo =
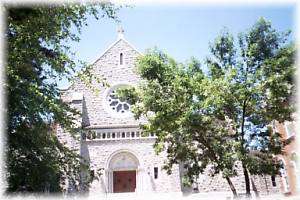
(112, 142)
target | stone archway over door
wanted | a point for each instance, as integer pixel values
(123, 177)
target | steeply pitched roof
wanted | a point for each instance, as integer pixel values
(101, 55)
(112, 45)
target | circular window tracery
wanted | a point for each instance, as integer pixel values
(117, 104)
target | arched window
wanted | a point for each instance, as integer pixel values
(121, 58)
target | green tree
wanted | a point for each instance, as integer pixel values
(38, 52)
(223, 116)
(258, 89)
(172, 98)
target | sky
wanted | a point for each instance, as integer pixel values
(183, 31)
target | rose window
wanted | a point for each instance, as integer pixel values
(116, 104)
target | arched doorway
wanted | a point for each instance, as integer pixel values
(123, 168)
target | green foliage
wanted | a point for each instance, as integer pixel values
(38, 53)
(221, 117)
(37, 160)
(172, 97)
(259, 89)
(259, 86)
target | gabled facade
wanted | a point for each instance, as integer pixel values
(113, 142)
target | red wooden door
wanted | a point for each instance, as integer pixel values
(124, 181)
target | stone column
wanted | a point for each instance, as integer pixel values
(109, 181)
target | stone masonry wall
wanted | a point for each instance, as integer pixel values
(107, 67)
(263, 184)
(96, 113)
(99, 153)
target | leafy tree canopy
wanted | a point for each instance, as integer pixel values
(38, 51)
(173, 98)
(224, 115)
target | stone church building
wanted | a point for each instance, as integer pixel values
(112, 141)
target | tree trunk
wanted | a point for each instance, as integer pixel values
(232, 187)
(247, 181)
(254, 189)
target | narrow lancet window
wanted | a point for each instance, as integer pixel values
(121, 58)
(155, 172)
(273, 181)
